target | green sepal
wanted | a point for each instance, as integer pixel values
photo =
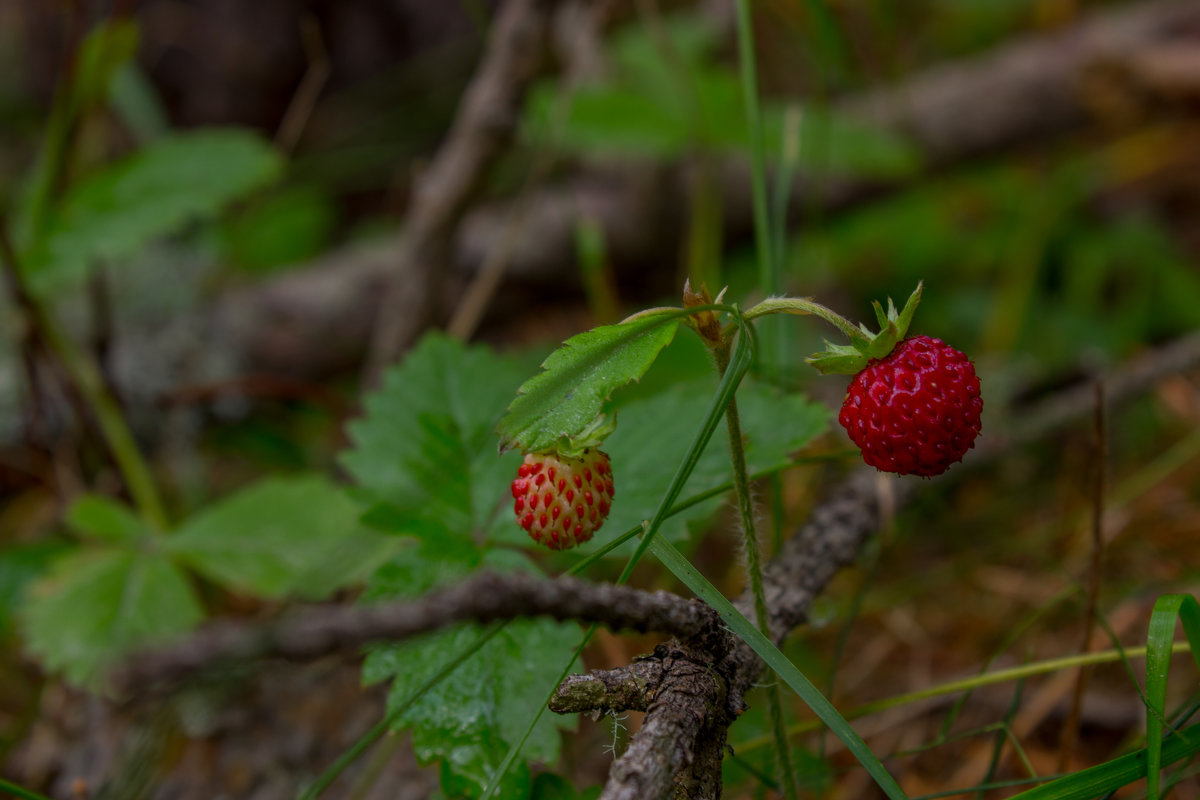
(837, 359)
(868, 346)
(593, 435)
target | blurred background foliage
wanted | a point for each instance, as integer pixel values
(156, 158)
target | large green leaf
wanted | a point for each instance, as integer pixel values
(111, 215)
(468, 722)
(96, 605)
(425, 453)
(272, 537)
(578, 377)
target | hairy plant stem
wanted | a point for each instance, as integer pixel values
(741, 488)
(88, 379)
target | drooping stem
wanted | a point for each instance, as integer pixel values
(802, 306)
(86, 376)
(741, 488)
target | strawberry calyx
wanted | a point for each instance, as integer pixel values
(592, 436)
(867, 345)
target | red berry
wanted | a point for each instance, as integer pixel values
(916, 411)
(560, 501)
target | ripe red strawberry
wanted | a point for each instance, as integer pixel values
(915, 411)
(562, 501)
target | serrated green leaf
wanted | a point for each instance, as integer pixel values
(470, 764)
(105, 519)
(468, 721)
(424, 455)
(578, 377)
(96, 605)
(270, 537)
(111, 215)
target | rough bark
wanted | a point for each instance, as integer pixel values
(486, 597)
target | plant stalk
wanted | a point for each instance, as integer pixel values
(86, 376)
(741, 487)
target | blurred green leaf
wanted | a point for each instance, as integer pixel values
(579, 377)
(20, 566)
(106, 520)
(111, 215)
(283, 228)
(425, 453)
(351, 561)
(135, 100)
(468, 721)
(271, 537)
(96, 605)
(667, 95)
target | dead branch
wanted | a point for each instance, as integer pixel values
(688, 713)
(610, 691)
(485, 597)
(483, 126)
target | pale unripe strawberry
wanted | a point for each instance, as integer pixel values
(562, 501)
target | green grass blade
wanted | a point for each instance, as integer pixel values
(1104, 778)
(748, 70)
(1160, 640)
(739, 364)
(966, 685)
(777, 661)
(17, 791)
